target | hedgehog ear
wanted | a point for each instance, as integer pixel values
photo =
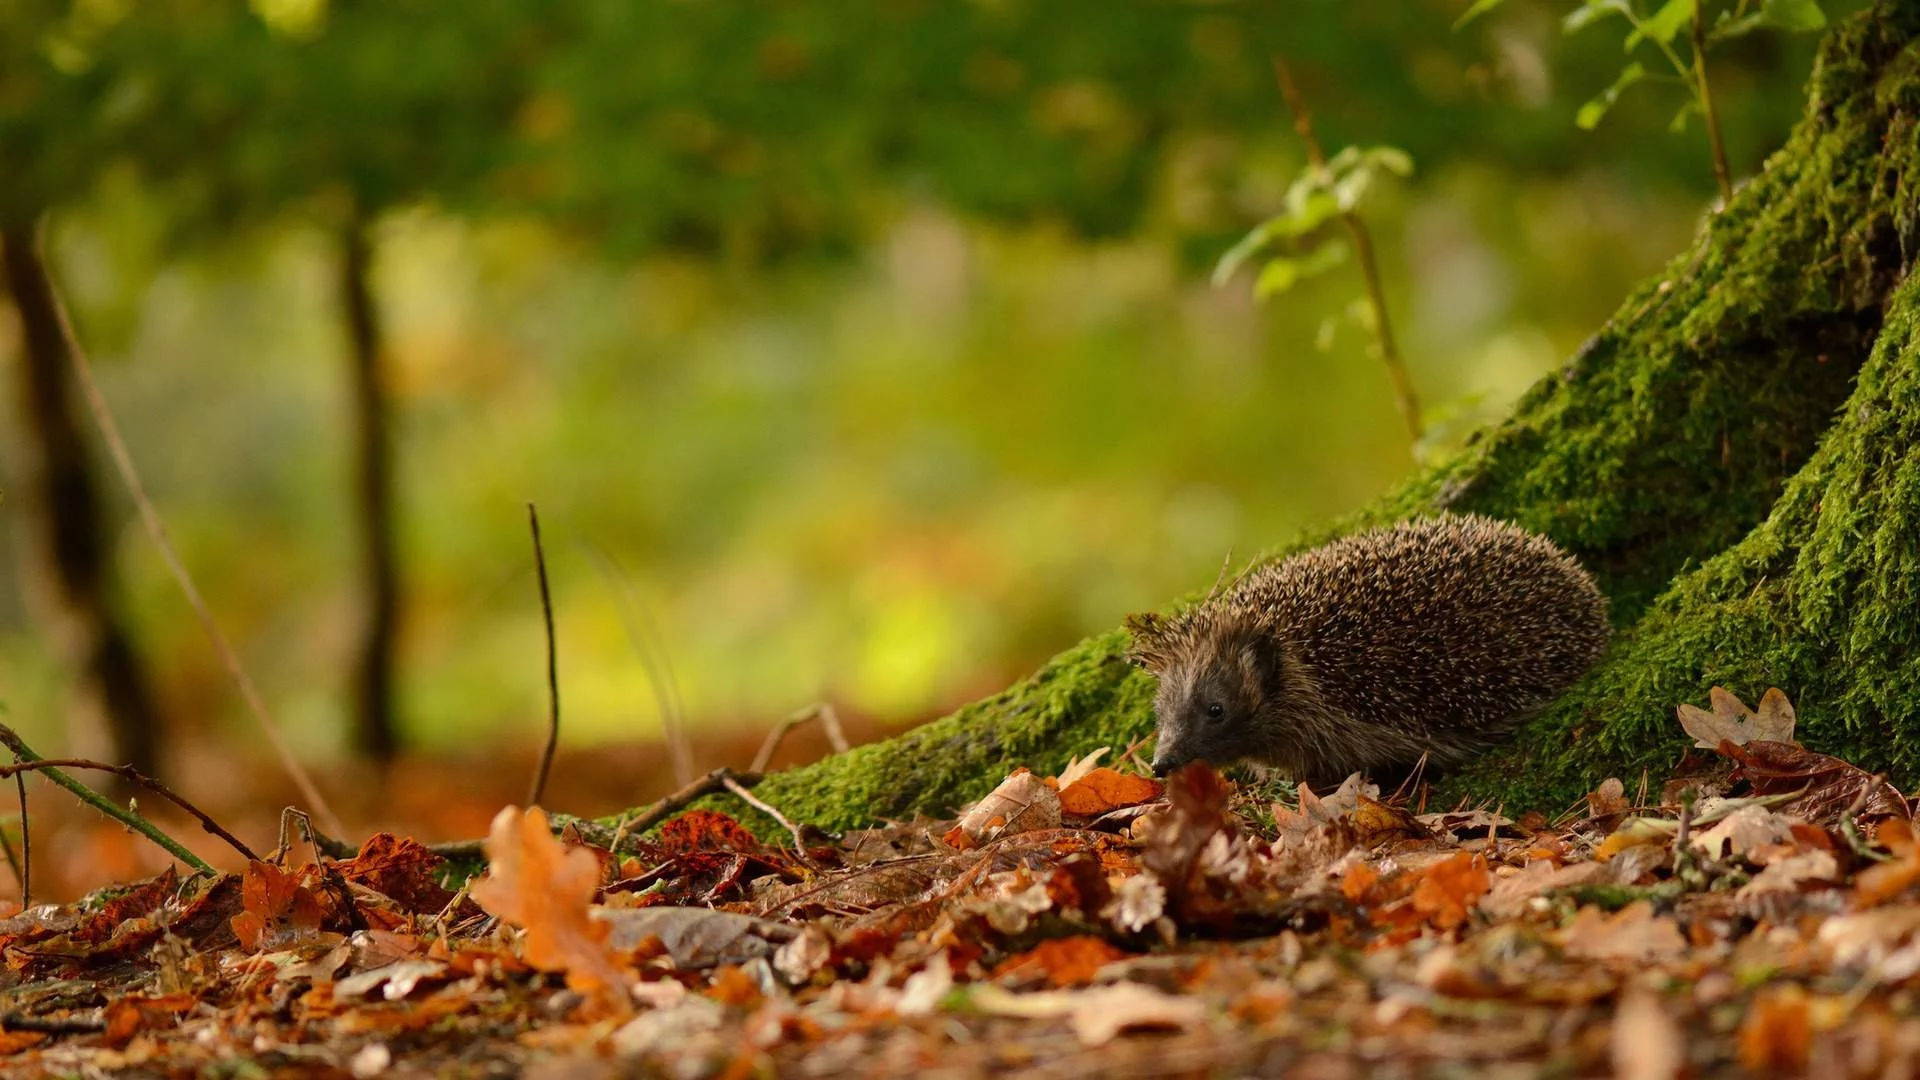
(1149, 647)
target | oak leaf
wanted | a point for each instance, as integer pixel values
(1633, 934)
(536, 883)
(1771, 721)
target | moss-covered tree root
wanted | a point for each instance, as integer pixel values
(1736, 455)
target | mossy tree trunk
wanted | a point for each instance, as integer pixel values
(1736, 455)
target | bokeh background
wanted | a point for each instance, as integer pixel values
(859, 352)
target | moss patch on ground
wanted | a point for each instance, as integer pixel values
(1689, 455)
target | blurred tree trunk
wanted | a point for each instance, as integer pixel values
(67, 525)
(1735, 455)
(375, 730)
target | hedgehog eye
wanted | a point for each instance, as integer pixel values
(1215, 711)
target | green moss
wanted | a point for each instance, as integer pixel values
(1676, 457)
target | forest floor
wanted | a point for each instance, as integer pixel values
(1758, 912)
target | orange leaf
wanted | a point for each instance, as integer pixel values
(1359, 881)
(275, 905)
(1064, 962)
(536, 883)
(1103, 789)
(1449, 888)
(1777, 1033)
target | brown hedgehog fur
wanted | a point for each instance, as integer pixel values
(1429, 639)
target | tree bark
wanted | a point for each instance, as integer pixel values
(375, 730)
(1736, 456)
(70, 531)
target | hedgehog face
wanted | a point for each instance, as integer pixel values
(1208, 706)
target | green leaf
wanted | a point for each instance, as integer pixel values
(1663, 24)
(1793, 16)
(1591, 113)
(1679, 122)
(1237, 255)
(1479, 8)
(1391, 158)
(1592, 11)
(1284, 272)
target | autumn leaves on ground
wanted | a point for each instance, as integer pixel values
(1758, 911)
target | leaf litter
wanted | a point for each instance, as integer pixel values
(1094, 920)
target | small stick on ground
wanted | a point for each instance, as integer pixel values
(553, 666)
(799, 845)
(150, 517)
(52, 766)
(92, 1022)
(819, 710)
(1363, 251)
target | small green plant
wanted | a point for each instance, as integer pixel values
(1661, 29)
(1293, 245)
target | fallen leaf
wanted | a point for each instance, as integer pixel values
(1448, 890)
(1103, 790)
(1777, 1034)
(1607, 800)
(277, 908)
(1096, 1015)
(1830, 787)
(536, 883)
(1789, 873)
(1745, 829)
(1509, 895)
(1732, 721)
(1646, 1042)
(1022, 803)
(1633, 934)
(695, 938)
(1062, 962)
(1078, 768)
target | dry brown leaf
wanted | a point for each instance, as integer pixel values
(1632, 934)
(1509, 895)
(1731, 720)
(1829, 788)
(1097, 1015)
(1788, 874)
(1607, 800)
(536, 883)
(1646, 1042)
(1744, 830)
(1022, 803)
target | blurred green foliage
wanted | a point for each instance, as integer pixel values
(865, 348)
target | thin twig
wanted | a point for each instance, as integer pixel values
(1720, 171)
(644, 635)
(150, 517)
(1363, 251)
(27, 759)
(799, 845)
(26, 846)
(94, 1020)
(553, 666)
(819, 710)
(132, 776)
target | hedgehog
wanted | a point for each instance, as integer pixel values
(1413, 646)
